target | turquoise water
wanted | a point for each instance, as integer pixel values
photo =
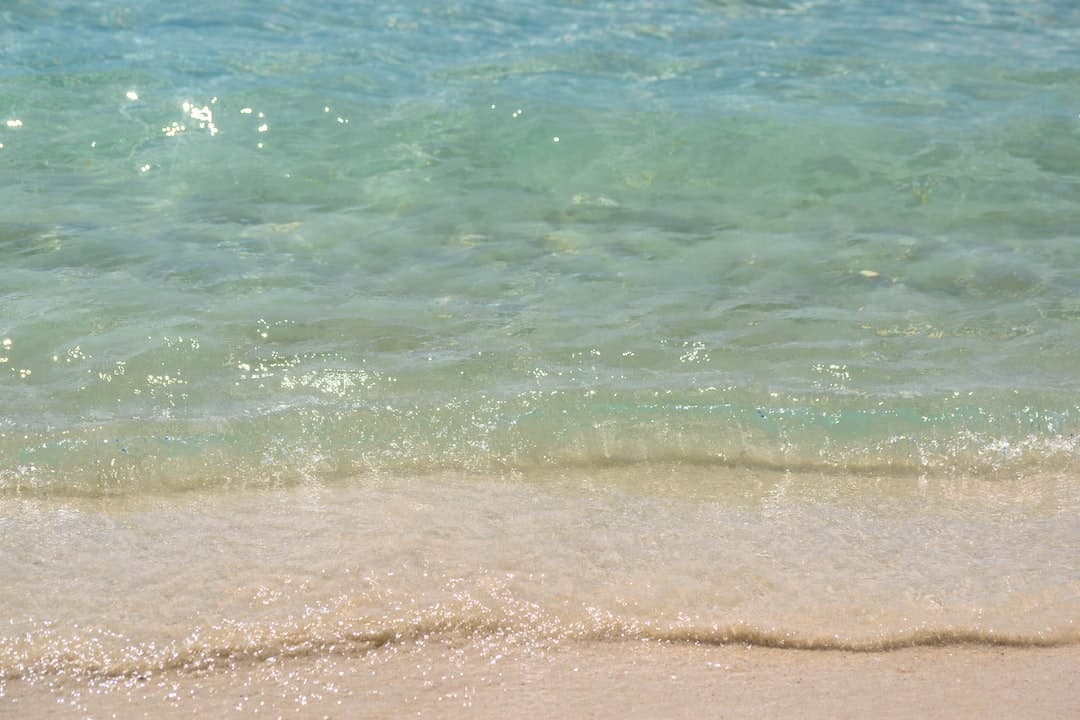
(733, 253)
(345, 236)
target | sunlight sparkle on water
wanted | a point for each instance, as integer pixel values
(203, 115)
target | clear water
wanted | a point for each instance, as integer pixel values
(796, 266)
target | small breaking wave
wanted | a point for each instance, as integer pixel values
(304, 445)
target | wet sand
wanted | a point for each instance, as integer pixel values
(442, 598)
(586, 680)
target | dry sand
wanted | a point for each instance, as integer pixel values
(588, 680)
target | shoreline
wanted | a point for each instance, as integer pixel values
(488, 679)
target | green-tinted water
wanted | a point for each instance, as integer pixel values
(534, 323)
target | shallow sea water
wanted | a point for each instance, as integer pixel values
(334, 328)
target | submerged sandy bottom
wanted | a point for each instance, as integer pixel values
(624, 593)
(589, 680)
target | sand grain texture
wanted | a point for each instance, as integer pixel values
(591, 680)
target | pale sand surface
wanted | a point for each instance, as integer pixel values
(588, 680)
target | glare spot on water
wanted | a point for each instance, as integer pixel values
(14, 123)
(132, 95)
(76, 353)
(202, 115)
(696, 352)
(164, 380)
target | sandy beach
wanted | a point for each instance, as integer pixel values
(449, 601)
(539, 359)
(588, 680)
